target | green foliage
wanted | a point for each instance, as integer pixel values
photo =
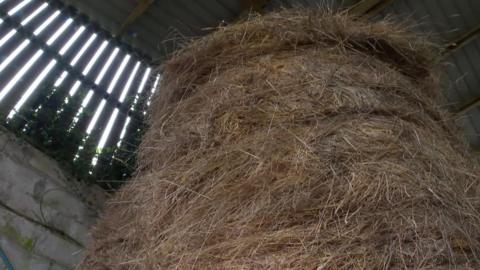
(10, 232)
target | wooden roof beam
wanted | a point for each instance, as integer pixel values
(135, 14)
(368, 7)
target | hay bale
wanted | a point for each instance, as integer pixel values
(297, 141)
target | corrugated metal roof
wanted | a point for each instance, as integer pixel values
(163, 24)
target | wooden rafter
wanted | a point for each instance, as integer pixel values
(368, 7)
(461, 41)
(254, 5)
(136, 13)
(469, 106)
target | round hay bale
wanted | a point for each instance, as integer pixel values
(297, 140)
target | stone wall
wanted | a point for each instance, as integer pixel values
(44, 214)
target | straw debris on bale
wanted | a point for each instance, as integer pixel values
(297, 140)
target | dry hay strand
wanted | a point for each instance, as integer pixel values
(297, 140)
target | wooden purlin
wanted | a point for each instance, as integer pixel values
(135, 14)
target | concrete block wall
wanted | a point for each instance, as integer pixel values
(45, 215)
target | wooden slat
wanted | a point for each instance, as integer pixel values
(458, 43)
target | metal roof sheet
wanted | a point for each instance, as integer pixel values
(163, 21)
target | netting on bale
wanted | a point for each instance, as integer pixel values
(297, 140)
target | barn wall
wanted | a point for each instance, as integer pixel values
(44, 214)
